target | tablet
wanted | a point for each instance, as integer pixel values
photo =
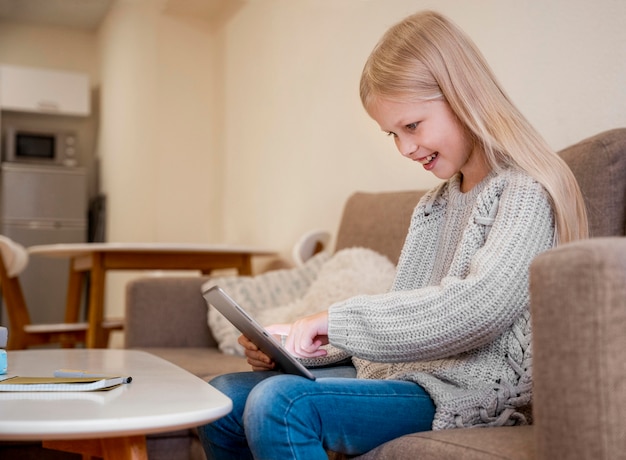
(257, 334)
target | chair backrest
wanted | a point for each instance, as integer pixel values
(599, 164)
(13, 260)
(377, 221)
(14, 256)
(22, 333)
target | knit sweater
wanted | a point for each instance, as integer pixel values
(457, 319)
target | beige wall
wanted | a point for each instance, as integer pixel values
(160, 164)
(250, 130)
(297, 141)
(51, 47)
(159, 161)
(62, 49)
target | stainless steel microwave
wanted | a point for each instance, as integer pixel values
(43, 147)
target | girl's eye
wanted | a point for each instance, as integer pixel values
(412, 126)
(389, 133)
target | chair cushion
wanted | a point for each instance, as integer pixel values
(205, 363)
(513, 443)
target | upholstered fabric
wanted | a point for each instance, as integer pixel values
(378, 221)
(578, 299)
(166, 312)
(510, 443)
(599, 164)
(204, 362)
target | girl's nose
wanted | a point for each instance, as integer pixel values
(406, 147)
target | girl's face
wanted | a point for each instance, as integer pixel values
(429, 133)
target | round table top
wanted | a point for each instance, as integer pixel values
(161, 397)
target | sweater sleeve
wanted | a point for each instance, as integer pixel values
(464, 311)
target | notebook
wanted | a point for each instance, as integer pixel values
(257, 334)
(12, 384)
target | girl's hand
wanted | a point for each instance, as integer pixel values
(308, 335)
(255, 357)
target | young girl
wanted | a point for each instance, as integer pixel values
(450, 345)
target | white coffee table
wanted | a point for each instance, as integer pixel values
(109, 424)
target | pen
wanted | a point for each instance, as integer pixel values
(71, 373)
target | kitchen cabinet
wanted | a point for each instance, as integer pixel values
(28, 89)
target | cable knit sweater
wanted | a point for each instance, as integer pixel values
(457, 320)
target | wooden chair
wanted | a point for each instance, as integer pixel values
(22, 333)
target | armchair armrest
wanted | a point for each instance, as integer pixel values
(578, 302)
(166, 312)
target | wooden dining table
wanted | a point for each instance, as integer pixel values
(95, 259)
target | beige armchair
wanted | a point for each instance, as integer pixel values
(578, 302)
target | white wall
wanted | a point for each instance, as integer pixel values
(297, 141)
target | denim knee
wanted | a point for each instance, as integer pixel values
(273, 400)
(224, 382)
(274, 393)
(278, 411)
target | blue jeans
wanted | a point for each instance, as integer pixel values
(278, 416)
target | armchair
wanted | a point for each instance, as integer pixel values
(578, 303)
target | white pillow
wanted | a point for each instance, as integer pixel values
(347, 273)
(257, 293)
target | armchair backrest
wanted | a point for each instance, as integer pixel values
(599, 164)
(377, 221)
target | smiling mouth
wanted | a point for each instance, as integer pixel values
(426, 160)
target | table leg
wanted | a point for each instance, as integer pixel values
(122, 448)
(246, 266)
(95, 333)
(74, 295)
(127, 448)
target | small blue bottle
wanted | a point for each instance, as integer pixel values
(4, 333)
(3, 362)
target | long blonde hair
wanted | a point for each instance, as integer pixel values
(427, 57)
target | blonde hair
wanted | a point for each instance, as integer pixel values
(427, 57)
